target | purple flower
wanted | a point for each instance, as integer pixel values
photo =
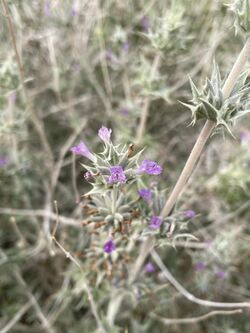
(125, 47)
(76, 67)
(200, 266)
(82, 149)
(189, 214)
(117, 175)
(109, 246)
(124, 111)
(155, 222)
(88, 176)
(208, 243)
(221, 274)
(12, 97)
(73, 11)
(145, 194)
(244, 137)
(47, 10)
(150, 167)
(3, 160)
(145, 24)
(112, 57)
(149, 267)
(105, 134)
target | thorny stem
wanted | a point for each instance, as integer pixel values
(194, 156)
(189, 166)
(206, 132)
(37, 123)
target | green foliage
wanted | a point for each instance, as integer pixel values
(88, 64)
(212, 105)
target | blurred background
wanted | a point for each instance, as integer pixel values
(126, 65)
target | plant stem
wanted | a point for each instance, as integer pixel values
(192, 320)
(206, 132)
(193, 158)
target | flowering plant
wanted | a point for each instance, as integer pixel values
(211, 104)
(118, 185)
(120, 204)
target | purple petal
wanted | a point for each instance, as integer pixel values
(73, 11)
(3, 160)
(117, 175)
(109, 246)
(125, 47)
(124, 111)
(145, 194)
(150, 267)
(244, 137)
(104, 134)
(200, 266)
(150, 167)
(47, 10)
(145, 24)
(221, 274)
(82, 149)
(155, 222)
(189, 214)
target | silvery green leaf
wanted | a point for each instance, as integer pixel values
(240, 82)
(88, 168)
(212, 112)
(109, 219)
(209, 87)
(100, 277)
(120, 199)
(97, 218)
(241, 114)
(195, 91)
(124, 208)
(186, 235)
(126, 216)
(210, 103)
(224, 124)
(216, 77)
(94, 190)
(97, 200)
(118, 217)
(102, 210)
(108, 201)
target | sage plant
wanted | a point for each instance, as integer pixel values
(220, 103)
(124, 203)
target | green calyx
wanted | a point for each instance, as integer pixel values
(209, 103)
